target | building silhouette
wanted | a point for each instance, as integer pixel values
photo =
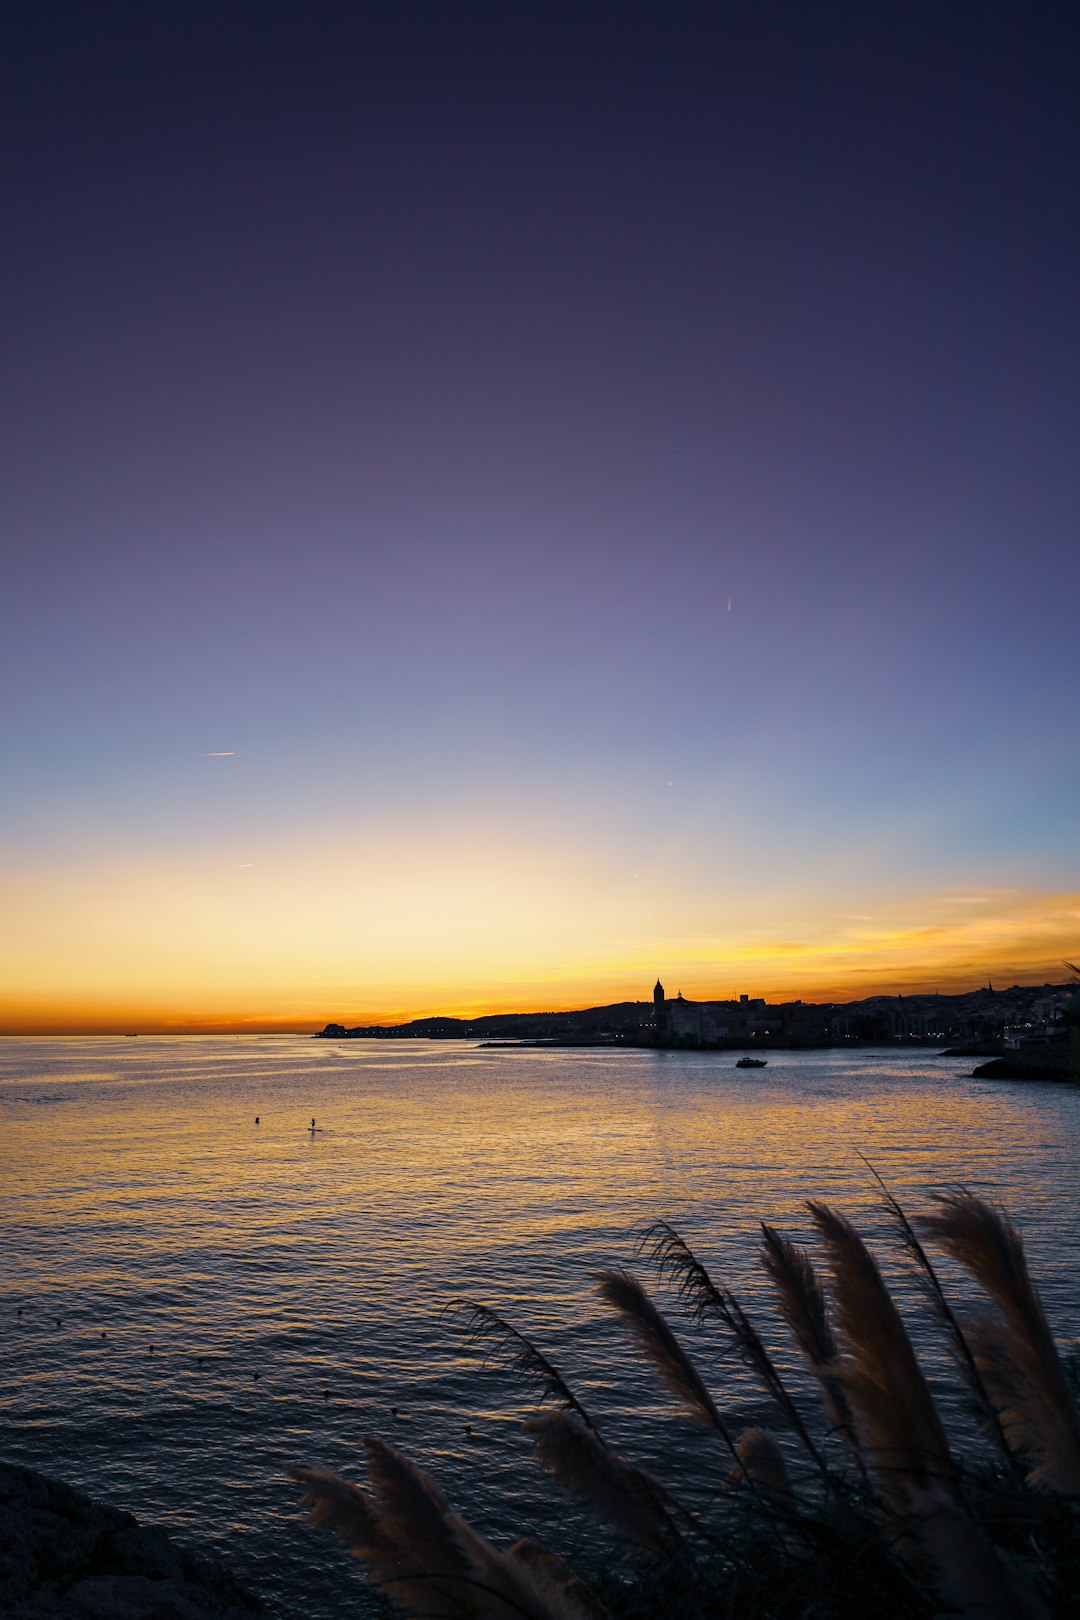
(660, 1013)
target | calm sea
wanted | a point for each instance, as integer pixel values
(205, 1300)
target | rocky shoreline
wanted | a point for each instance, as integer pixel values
(64, 1556)
(1021, 1066)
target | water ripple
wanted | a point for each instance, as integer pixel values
(205, 1300)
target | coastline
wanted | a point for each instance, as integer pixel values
(65, 1555)
(1046, 1062)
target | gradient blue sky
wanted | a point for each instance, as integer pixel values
(397, 397)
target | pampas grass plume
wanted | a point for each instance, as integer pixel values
(1016, 1356)
(654, 1338)
(627, 1499)
(760, 1460)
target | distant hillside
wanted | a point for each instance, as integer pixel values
(623, 1018)
(986, 1021)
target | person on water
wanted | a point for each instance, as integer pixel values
(313, 1121)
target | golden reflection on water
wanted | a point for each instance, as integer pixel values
(442, 1160)
(141, 1201)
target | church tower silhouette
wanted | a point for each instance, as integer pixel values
(660, 1012)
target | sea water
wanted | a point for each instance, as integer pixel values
(205, 1300)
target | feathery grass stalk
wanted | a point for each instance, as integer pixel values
(552, 1572)
(398, 1558)
(673, 1258)
(1017, 1358)
(622, 1291)
(624, 1497)
(759, 1459)
(903, 1433)
(427, 1558)
(930, 1284)
(896, 1416)
(509, 1348)
(922, 1538)
(802, 1305)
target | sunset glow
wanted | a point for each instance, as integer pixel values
(470, 547)
(418, 925)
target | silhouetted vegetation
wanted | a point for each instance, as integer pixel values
(858, 1504)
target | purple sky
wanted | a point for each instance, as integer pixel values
(397, 395)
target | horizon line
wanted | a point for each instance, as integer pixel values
(116, 1024)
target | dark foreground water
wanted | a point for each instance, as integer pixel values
(163, 1249)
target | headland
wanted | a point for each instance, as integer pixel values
(1032, 1025)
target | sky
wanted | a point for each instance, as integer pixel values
(502, 501)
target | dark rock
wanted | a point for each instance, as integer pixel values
(66, 1557)
(1018, 1067)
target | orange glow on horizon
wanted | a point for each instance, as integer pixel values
(385, 930)
(46, 1019)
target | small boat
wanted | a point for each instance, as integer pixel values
(751, 1063)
